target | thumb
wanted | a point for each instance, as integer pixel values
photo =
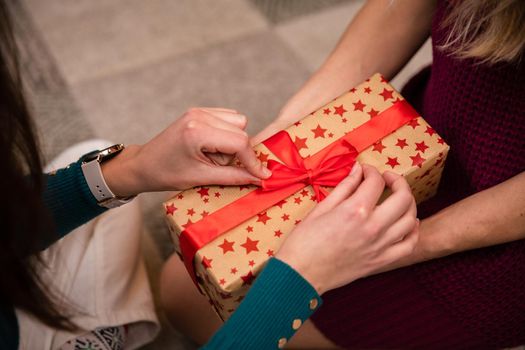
(341, 192)
(231, 175)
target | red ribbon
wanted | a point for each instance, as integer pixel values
(328, 171)
(325, 168)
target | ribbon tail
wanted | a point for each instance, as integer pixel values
(322, 194)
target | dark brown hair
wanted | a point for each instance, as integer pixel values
(22, 213)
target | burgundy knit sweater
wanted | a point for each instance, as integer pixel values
(469, 300)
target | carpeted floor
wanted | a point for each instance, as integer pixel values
(124, 69)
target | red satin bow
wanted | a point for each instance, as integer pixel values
(327, 171)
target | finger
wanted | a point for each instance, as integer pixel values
(230, 175)
(223, 141)
(369, 191)
(402, 249)
(341, 192)
(233, 123)
(219, 158)
(220, 109)
(238, 120)
(397, 204)
(397, 231)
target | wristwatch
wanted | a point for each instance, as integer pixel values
(95, 179)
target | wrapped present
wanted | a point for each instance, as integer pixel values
(225, 234)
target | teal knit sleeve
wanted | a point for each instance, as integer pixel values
(279, 301)
(69, 200)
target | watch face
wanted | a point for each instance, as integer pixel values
(90, 156)
(105, 154)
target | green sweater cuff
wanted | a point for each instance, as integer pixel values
(70, 201)
(275, 307)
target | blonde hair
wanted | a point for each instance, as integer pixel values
(489, 30)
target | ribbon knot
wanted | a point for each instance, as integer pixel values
(325, 171)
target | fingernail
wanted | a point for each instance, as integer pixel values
(267, 172)
(240, 117)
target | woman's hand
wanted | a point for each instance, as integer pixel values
(195, 150)
(348, 236)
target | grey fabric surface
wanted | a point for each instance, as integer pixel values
(58, 119)
(277, 11)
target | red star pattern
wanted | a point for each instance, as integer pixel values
(217, 194)
(318, 131)
(402, 143)
(417, 160)
(204, 213)
(190, 212)
(383, 80)
(222, 282)
(249, 229)
(330, 135)
(413, 123)
(300, 143)
(285, 217)
(203, 191)
(367, 90)
(387, 94)
(281, 203)
(392, 162)
(233, 270)
(226, 246)
(277, 233)
(180, 196)
(297, 123)
(205, 199)
(247, 279)
(244, 187)
(269, 252)
(263, 217)
(251, 263)
(340, 110)
(344, 120)
(297, 222)
(305, 192)
(297, 200)
(430, 131)
(250, 246)
(421, 146)
(263, 157)
(206, 262)
(359, 106)
(373, 113)
(326, 111)
(441, 141)
(170, 209)
(379, 147)
(187, 224)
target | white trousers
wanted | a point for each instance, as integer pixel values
(100, 271)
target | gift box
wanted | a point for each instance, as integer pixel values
(225, 234)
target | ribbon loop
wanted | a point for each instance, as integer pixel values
(328, 171)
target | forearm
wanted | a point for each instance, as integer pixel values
(278, 303)
(381, 38)
(490, 217)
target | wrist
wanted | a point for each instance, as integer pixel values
(122, 173)
(303, 269)
(433, 242)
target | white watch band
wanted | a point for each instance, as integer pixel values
(99, 188)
